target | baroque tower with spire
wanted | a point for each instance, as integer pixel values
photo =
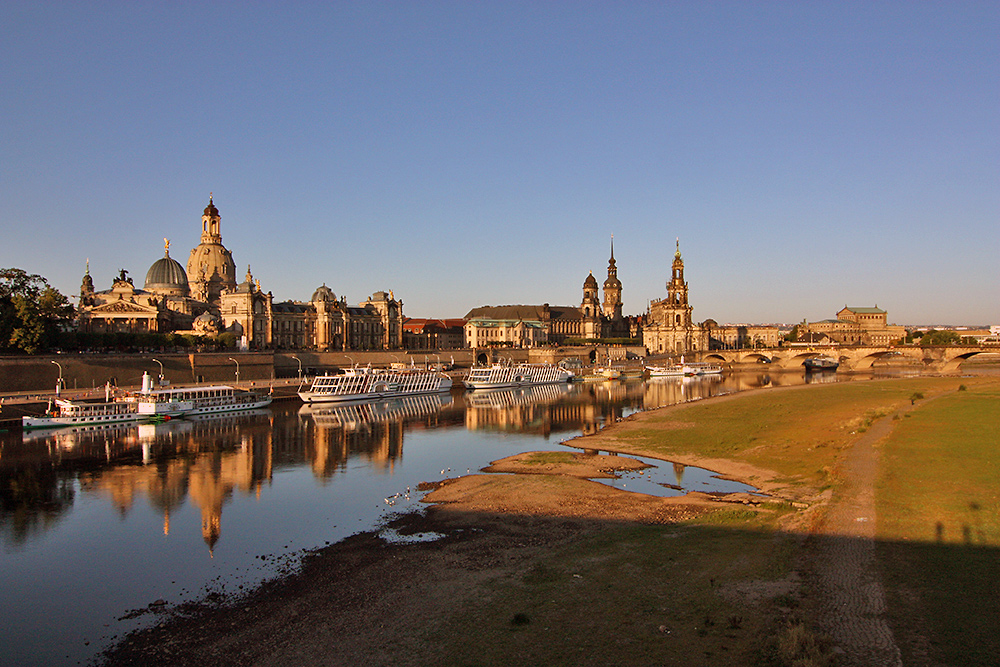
(612, 288)
(670, 327)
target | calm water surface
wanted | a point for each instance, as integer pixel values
(98, 527)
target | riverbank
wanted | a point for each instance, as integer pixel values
(551, 568)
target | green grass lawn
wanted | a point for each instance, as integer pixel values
(715, 591)
(798, 434)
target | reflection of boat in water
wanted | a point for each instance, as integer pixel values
(71, 438)
(512, 396)
(351, 414)
(67, 435)
(499, 376)
(367, 384)
(821, 364)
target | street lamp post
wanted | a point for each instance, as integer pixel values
(160, 382)
(59, 382)
(300, 367)
(237, 369)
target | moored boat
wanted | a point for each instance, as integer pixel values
(362, 384)
(68, 412)
(149, 404)
(702, 368)
(498, 376)
(820, 364)
(673, 370)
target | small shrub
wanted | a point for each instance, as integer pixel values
(962, 387)
(799, 647)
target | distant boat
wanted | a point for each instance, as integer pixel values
(692, 369)
(820, 364)
(608, 373)
(673, 370)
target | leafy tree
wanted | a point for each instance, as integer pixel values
(32, 313)
(793, 335)
(935, 337)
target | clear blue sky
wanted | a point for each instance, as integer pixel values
(808, 154)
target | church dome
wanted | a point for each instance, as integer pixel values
(323, 293)
(612, 282)
(167, 276)
(590, 282)
(210, 266)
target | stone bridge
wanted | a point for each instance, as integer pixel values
(940, 358)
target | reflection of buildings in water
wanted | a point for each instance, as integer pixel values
(208, 460)
(374, 429)
(660, 392)
(533, 409)
(679, 469)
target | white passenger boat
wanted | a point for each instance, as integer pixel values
(366, 384)
(149, 404)
(498, 376)
(673, 370)
(692, 369)
(67, 412)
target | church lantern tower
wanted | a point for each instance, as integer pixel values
(210, 268)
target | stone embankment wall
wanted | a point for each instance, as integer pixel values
(38, 374)
(83, 371)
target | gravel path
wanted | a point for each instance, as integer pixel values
(853, 607)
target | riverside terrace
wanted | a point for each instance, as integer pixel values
(38, 374)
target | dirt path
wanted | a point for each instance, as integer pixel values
(852, 600)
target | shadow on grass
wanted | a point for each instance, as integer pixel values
(518, 589)
(944, 600)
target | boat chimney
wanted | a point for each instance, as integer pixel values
(147, 383)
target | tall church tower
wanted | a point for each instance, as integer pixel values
(612, 288)
(669, 328)
(210, 268)
(677, 292)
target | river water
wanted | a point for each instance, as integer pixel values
(102, 529)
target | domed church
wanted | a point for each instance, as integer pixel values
(205, 298)
(163, 304)
(172, 298)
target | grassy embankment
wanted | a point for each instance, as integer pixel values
(720, 590)
(939, 528)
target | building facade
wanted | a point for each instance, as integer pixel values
(854, 325)
(205, 299)
(534, 325)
